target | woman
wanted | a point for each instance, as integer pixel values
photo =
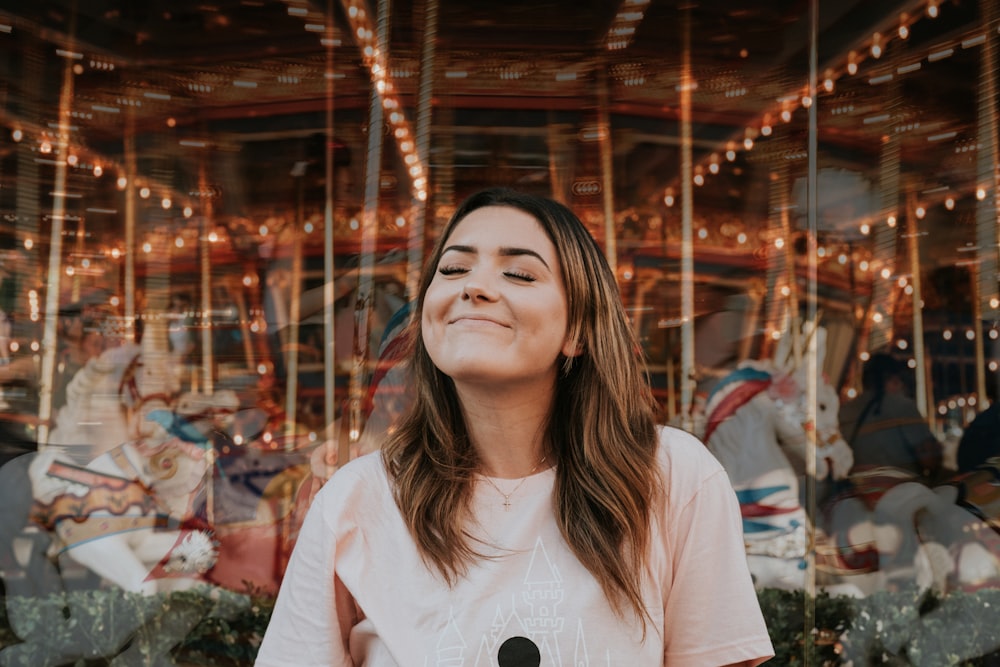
(527, 511)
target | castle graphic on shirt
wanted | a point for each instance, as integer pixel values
(533, 616)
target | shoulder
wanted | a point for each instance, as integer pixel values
(699, 504)
(366, 467)
(898, 404)
(361, 483)
(685, 462)
(682, 448)
(849, 410)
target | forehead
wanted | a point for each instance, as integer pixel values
(501, 225)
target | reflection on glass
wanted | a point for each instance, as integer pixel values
(213, 216)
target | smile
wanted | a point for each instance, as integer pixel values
(478, 322)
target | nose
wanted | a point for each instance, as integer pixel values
(478, 288)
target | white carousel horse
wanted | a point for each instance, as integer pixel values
(203, 489)
(756, 426)
(943, 538)
(129, 512)
(108, 399)
(131, 517)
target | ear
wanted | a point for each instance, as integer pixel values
(573, 347)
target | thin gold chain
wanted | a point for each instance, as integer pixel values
(506, 496)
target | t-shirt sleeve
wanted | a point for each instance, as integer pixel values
(314, 613)
(712, 616)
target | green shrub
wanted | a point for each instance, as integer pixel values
(213, 627)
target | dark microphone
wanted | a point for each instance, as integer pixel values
(519, 652)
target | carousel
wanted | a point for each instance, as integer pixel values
(215, 216)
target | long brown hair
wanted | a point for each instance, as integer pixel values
(601, 432)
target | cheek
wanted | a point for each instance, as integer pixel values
(430, 325)
(426, 334)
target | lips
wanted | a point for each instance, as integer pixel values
(477, 320)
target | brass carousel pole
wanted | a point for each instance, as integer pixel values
(987, 208)
(329, 250)
(560, 166)
(130, 246)
(79, 249)
(975, 279)
(29, 178)
(205, 247)
(49, 335)
(607, 166)
(425, 113)
(791, 316)
(294, 310)
(369, 236)
(913, 249)
(207, 352)
(812, 374)
(781, 286)
(687, 379)
(879, 318)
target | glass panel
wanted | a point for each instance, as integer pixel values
(215, 216)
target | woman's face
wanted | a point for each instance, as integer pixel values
(495, 312)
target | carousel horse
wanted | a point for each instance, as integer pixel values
(108, 399)
(128, 520)
(928, 542)
(206, 499)
(124, 519)
(128, 513)
(756, 425)
(199, 501)
(942, 538)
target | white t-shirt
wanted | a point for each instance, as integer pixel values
(356, 591)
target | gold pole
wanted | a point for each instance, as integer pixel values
(884, 247)
(294, 312)
(987, 208)
(812, 319)
(607, 167)
(687, 379)
(425, 113)
(79, 249)
(329, 251)
(245, 332)
(130, 246)
(369, 237)
(777, 260)
(560, 166)
(49, 335)
(913, 249)
(979, 330)
(207, 358)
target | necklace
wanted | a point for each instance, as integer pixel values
(506, 496)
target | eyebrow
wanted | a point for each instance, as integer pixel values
(504, 251)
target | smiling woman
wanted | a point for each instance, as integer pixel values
(494, 315)
(527, 510)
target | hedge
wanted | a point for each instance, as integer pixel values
(222, 628)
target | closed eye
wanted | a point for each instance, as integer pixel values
(518, 275)
(452, 270)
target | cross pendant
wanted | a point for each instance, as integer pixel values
(506, 503)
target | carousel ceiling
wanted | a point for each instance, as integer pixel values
(250, 77)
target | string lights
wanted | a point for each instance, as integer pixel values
(623, 27)
(373, 56)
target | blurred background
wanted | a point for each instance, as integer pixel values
(214, 214)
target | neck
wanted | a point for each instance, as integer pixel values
(509, 433)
